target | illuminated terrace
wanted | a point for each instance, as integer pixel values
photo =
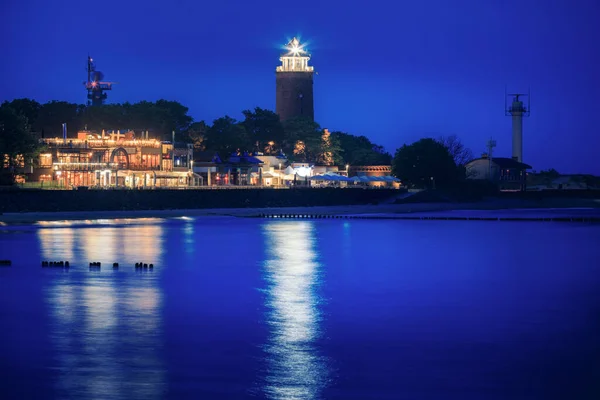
(100, 143)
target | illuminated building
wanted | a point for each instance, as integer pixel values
(206, 165)
(114, 159)
(294, 82)
(239, 169)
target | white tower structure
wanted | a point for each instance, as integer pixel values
(490, 146)
(517, 111)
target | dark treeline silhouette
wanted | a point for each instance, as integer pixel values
(260, 130)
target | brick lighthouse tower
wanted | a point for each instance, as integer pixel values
(294, 81)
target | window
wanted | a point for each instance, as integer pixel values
(45, 160)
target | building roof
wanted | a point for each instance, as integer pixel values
(505, 163)
(272, 160)
(244, 159)
(206, 157)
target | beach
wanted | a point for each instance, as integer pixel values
(573, 207)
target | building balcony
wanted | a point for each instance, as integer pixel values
(144, 168)
(96, 166)
(99, 143)
(78, 166)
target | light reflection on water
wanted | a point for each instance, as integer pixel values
(445, 320)
(295, 368)
(106, 330)
(106, 243)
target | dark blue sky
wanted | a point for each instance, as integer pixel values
(394, 71)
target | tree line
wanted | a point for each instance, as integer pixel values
(260, 130)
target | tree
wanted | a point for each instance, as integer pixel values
(172, 116)
(303, 139)
(546, 177)
(17, 145)
(227, 136)
(461, 154)
(425, 163)
(330, 152)
(196, 134)
(30, 109)
(359, 150)
(161, 118)
(53, 114)
(264, 129)
(551, 173)
(104, 117)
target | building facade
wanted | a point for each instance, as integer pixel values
(507, 173)
(112, 160)
(372, 171)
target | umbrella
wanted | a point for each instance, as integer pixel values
(323, 177)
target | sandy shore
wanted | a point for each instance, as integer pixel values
(231, 212)
(593, 207)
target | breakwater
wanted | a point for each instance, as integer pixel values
(127, 200)
(440, 217)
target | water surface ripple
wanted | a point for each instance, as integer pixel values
(283, 309)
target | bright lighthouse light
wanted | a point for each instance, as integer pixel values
(295, 48)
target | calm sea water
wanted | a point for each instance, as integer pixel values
(332, 309)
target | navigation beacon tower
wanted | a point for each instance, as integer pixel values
(517, 111)
(294, 81)
(94, 85)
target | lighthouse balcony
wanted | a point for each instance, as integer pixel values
(281, 68)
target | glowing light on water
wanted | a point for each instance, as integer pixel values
(106, 330)
(108, 243)
(57, 244)
(296, 370)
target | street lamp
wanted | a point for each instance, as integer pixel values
(347, 165)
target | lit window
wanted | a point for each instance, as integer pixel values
(45, 160)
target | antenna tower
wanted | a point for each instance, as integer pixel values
(94, 85)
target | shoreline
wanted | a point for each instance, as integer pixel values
(567, 208)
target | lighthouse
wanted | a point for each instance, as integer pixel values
(517, 111)
(294, 83)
